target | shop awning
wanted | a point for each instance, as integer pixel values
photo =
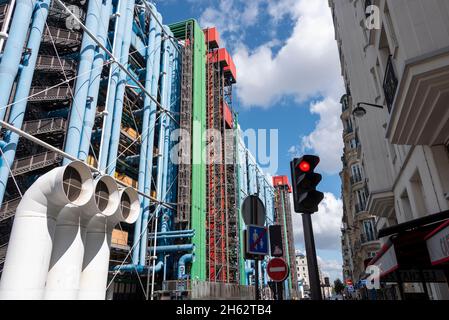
(386, 259)
(413, 248)
(438, 244)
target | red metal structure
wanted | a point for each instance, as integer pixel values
(222, 217)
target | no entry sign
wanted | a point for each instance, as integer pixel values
(277, 269)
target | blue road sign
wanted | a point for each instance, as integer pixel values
(257, 240)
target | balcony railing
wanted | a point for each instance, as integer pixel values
(348, 130)
(344, 103)
(356, 179)
(360, 207)
(390, 85)
(367, 238)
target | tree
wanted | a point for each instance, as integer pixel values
(339, 287)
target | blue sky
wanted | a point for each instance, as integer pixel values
(288, 79)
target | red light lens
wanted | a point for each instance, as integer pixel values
(304, 166)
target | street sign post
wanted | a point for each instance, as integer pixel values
(277, 269)
(253, 211)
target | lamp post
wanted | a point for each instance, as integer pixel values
(360, 112)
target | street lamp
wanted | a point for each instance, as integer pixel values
(360, 112)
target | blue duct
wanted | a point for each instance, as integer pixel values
(77, 110)
(94, 84)
(145, 159)
(172, 248)
(167, 213)
(175, 236)
(133, 160)
(173, 232)
(120, 93)
(188, 257)
(23, 89)
(12, 53)
(164, 134)
(150, 141)
(139, 269)
(112, 86)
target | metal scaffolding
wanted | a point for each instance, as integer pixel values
(185, 169)
(283, 217)
(222, 213)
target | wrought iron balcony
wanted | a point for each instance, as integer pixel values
(348, 130)
(390, 85)
(359, 208)
(367, 238)
(344, 102)
(356, 178)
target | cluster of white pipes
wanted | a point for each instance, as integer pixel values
(61, 237)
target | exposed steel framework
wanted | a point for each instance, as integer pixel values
(222, 214)
(185, 169)
(283, 217)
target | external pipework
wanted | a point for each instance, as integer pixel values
(94, 84)
(150, 145)
(145, 170)
(4, 32)
(12, 54)
(173, 248)
(165, 133)
(23, 89)
(186, 258)
(32, 236)
(66, 263)
(112, 84)
(161, 174)
(94, 275)
(120, 93)
(87, 51)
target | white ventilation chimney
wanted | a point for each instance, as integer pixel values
(94, 275)
(31, 241)
(68, 251)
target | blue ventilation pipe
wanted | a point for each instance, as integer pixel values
(174, 232)
(23, 89)
(150, 145)
(164, 137)
(161, 171)
(12, 53)
(120, 93)
(172, 248)
(79, 103)
(94, 84)
(112, 85)
(145, 159)
(187, 258)
(139, 269)
(175, 236)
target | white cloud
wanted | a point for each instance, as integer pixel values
(231, 17)
(326, 224)
(306, 66)
(330, 268)
(326, 140)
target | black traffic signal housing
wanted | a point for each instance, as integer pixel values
(305, 196)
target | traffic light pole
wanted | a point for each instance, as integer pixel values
(312, 263)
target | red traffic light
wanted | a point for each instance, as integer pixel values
(304, 166)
